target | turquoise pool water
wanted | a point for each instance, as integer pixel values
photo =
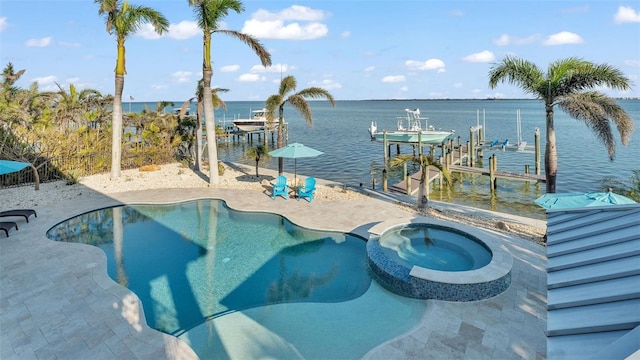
(434, 247)
(245, 285)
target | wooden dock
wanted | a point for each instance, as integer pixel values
(498, 173)
(401, 187)
(453, 157)
(457, 157)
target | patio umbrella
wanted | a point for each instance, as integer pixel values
(579, 200)
(295, 151)
(8, 166)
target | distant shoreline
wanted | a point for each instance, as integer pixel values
(362, 100)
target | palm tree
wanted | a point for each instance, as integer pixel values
(73, 106)
(257, 152)
(424, 161)
(217, 103)
(122, 20)
(298, 101)
(566, 84)
(9, 78)
(209, 14)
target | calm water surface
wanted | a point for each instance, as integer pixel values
(352, 159)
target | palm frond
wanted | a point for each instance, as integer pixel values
(317, 93)
(598, 111)
(519, 72)
(254, 44)
(299, 103)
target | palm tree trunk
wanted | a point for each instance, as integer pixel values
(210, 127)
(422, 199)
(36, 177)
(550, 154)
(280, 137)
(116, 128)
(198, 147)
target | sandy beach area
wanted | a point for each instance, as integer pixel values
(172, 176)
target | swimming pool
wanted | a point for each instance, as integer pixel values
(431, 259)
(434, 247)
(245, 285)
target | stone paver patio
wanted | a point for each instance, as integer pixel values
(57, 301)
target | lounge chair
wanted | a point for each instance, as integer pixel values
(308, 189)
(280, 187)
(19, 212)
(7, 225)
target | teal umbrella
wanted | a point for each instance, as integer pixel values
(8, 166)
(295, 151)
(580, 200)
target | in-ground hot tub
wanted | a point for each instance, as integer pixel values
(431, 259)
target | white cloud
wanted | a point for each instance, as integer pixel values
(505, 39)
(563, 38)
(480, 57)
(44, 42)
(251, 78)
(458, 85)
(634, 63)
(45, 80)
(146, 31)
(369, 68)
(345, 34)
(3, 23)
(404, 88)
(182, 76)
(326, 84)
(284, 25)
(159, 86)
(624, 15)
(230, 68)
(431, 64)
(180, 31)
(69, 44)
(73, 80)
(456, 13)
(393, 78)
(274, 68)
(294, 12)
(183, 30)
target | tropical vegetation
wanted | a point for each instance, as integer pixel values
(258, 152)
(629, 187)
(424, 162)
(298, 101)
(195, 145)
(65, 133)
(123, 20)
(569, 83)
(209, 15)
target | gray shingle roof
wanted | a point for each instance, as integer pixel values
(593, 282)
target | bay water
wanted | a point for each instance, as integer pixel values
(352, 159)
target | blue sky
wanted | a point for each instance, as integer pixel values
(355, 49)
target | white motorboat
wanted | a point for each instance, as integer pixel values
(258, 121)
(412, 132)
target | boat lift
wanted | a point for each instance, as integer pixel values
(520, 146)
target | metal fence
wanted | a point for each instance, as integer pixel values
(73, 167)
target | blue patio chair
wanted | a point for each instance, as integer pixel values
(308, 189)
(280, 187)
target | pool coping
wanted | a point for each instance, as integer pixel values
(57, 299)
(424, 283)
